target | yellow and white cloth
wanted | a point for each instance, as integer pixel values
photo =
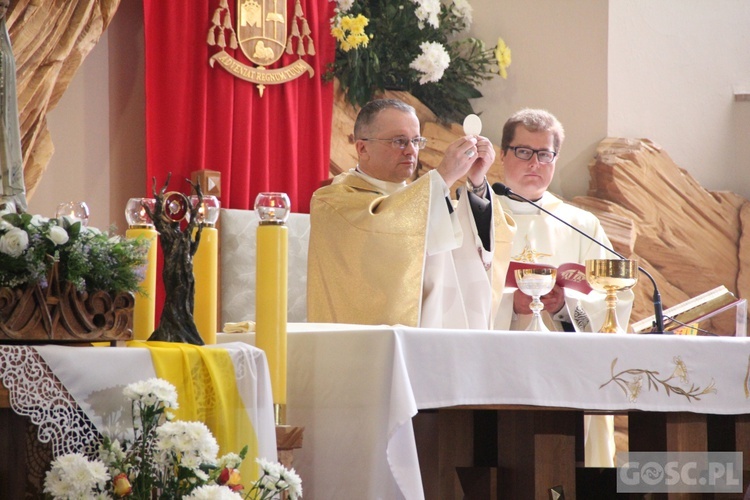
(227, 388)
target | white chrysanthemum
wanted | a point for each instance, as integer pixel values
(464, 11)
(212, 492)
(270, 468)
(432, 62)
(428, 11)
(191, 460)
(291, 478)
(152, 391)
(14, 242)
(73, 476)
(58, 235)
(113, 453)
(344, 5)
(192, 441)
(201, 475)
(229, 461)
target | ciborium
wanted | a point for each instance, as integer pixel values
(611, 276)
(535, 283)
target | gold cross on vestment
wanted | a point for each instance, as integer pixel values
(528, 254)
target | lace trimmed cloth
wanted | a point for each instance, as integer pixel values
(35, 392)
(74, 394)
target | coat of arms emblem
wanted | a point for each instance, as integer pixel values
(263, 32)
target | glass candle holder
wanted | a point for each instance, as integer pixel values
(208, 212)
(136, 215)
(272, 208)
(74, 210)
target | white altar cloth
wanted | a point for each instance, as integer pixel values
(93, 379)
(355, 388)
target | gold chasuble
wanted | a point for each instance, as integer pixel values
(369, 248)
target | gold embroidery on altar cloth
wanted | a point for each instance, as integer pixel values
(631, 382)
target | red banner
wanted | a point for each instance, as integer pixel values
(204, 117)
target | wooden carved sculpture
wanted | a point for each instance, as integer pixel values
(175, 218)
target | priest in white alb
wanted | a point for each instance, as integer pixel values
(530, 145)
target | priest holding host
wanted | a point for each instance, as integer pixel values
(385, 251)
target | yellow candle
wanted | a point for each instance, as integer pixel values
(271, 303)
(205, 271)
(144, 312)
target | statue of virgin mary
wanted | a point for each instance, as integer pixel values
(12, 188)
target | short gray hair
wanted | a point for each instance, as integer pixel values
(370, 110)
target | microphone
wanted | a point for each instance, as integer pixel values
(501, 189)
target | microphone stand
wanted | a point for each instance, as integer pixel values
(501, 189)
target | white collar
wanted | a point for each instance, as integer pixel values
(387, 187)
(548, 201)
(521, 207)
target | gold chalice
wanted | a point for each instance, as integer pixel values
(536, 282)
(610, 277)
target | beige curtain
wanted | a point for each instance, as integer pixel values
(50, 40)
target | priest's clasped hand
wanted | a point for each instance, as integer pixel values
(472, 155)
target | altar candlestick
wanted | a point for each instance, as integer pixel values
(140, 226)
(271, 292)
(206, 269)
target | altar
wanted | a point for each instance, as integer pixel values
(356, 388)
(73, 395)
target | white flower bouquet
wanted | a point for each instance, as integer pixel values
(165, 459)
(31, 246)
(415, 45)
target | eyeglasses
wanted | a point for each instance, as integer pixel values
(542, 155)
(402, 142)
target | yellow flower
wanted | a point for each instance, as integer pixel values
(121, 485)
(346, 23)
(359, 39)
(337, 33)
(502, 54)
(359, 23)
(231, 479)
(350, 32)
